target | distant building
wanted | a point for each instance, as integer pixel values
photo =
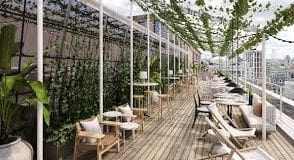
(291, 72)
(154, 24)
(254, 66)
(289, 89)
(276, 71)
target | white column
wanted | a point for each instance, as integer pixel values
(219, 62)
(131, 55)
(226, 63)
(40, 77)
(179, 55)
(281, 102)
(188, 60)
(168, 49)
(148, 47)
(245, 72)
(237, 70)
(101, 58)
(263, 89)
(174, 59)
(160, 62)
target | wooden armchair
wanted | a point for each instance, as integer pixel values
(137, 117)
(104, 143)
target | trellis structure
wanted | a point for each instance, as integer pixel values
(189, 30)
(78, 37)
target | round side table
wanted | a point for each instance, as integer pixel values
(128, 126)
(112, 114)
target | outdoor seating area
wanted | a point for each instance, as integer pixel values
(206, 137)
(162, 140)
(146, 80)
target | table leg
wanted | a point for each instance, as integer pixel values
(228, 110)
(124, 137)
(107, 127)
(231, 111)
(133, 134)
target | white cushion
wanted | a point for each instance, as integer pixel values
(127, 112)
(155, 97)
(254, 121)
(252, 154)
(202, 109)
(214, 138)
(206, 102)
(91, 126)
(220, 148)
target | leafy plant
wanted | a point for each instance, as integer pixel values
(155, 71)
(9, 107)
(8, 46)
(74, 91)
(10, 84)
(193, 68)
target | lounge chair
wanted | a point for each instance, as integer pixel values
(231, 151)
(236, 133)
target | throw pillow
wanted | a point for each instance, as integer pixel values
(127, 112)
(155, 98)
(91, 126)
(257, 109)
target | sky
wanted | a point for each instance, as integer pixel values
(274, 49)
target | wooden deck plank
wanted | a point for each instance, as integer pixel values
(165, 136)
(177, 139)
(161, 140)
(165, 147)
(189, 139)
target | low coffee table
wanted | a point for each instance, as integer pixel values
(130, 126)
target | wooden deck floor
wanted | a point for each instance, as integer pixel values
(178, 141)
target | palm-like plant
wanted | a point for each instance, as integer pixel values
(12, 82)
(155, 71)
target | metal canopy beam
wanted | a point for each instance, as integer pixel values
(95, 5)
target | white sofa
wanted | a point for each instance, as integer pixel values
(254, 121)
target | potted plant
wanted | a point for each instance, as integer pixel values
(13, 147)
(155, 72)
(250, 95)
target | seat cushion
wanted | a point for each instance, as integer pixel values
(206, 102)
(155, 98)
(256, 154)
(202, 109)
(91, 126)
(109, 139)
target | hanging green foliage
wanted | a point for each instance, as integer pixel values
(8, 46)
(282, 19)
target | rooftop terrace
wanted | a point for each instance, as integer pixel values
(78, 58)
(163, 140)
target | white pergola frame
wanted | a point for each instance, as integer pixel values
(40, 78)
(98, 5)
